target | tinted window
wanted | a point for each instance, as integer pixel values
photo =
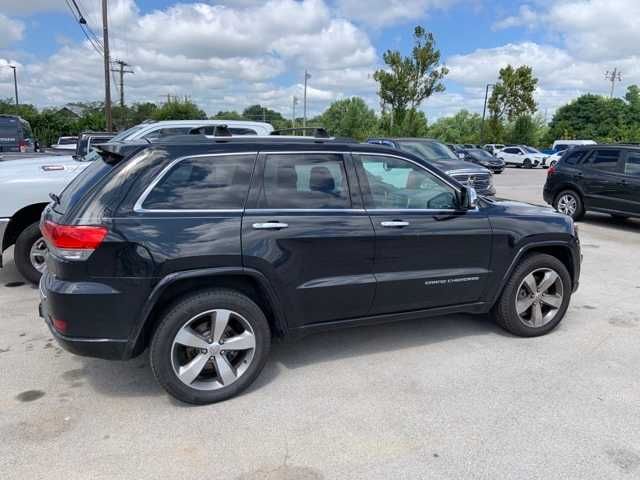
(166, 132)
(311, 180)
(203, 183)
(84, 182)
(605, 160)
(399, 184)
(574, 157)
(512, 150)
(632, 164)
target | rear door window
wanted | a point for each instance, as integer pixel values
(574, 157)
(304, 181)
(605, 160)
(632, 164)
(216, 182)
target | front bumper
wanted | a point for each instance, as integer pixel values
(4, 222)
(58, 301)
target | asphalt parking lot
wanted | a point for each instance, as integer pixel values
(440, 398)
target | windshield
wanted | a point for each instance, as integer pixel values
(483, 154)
(531, 149)
(125, 133)
(429, 150)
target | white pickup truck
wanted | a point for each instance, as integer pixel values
(26, 185)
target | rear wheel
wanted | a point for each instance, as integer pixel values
(30, 253)
(536, 297)
(570, 203)
(210, 346)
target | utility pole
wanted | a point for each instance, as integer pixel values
(122, 71)
(484, 110)
(107, 80)
(15, 83)
(293, 113)
(307, 76)
(612, 77)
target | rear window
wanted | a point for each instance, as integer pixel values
(203, 183)
(574, 157)
(632, 164)
(606, 160)
(8, 129)
(81, 185)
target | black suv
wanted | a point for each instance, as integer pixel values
(205, 250)
(602, 178)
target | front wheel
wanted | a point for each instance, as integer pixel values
(536, 297)
(30, 253)
(210, 346)
(527, 163)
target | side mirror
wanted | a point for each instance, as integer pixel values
(469, 198)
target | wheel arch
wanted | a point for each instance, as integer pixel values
(246, 281)
(560, 250)
(568, 186)
(21, 220)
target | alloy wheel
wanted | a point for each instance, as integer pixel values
(539, 297)
(213, 349)
(38, 254)
(567, 204)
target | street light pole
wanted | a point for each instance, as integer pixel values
(304, 118)
(293, 112)
(484, 110)
(15, 83)
(107, 68)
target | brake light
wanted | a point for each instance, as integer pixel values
(72, 242)
(551, 170)
(23, 146)
(59, 325)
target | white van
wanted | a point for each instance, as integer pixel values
(561, 145)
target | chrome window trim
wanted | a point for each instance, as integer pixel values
(137, 207)
(303, 210)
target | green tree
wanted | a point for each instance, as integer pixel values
(512, 95)
(349, 118)
(227, 115)
(408, 80)
(179, 110)
(463, 127)
(258, 113)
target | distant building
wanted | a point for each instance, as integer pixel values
(75, 111)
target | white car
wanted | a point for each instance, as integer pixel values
(65, 143)
(26, 185)
(522, 156)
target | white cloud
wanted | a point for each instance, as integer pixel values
(11, 30)
(27, 7)
(385, 12)
(527, 17)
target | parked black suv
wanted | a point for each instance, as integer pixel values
(602, 178)
(204, 251)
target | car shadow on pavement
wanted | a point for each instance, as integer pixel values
(603, 220)
(389, 337)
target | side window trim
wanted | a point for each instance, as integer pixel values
(138, 208)
(366, 191)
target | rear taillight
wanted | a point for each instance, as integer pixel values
(551, 170)
(59, 325)
(23, 146)
(72, 242)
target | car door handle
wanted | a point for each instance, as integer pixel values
(395, 224)
(270, 225)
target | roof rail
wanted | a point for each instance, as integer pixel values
(318, 132)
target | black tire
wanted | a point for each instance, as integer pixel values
(181, 312)
(527, 163)
(579, 211)
(504, 310)
(22, 252)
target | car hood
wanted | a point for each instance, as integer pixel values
(522, 208)
(450, 166)
(30, 167)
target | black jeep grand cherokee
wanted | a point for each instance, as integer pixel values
(205, 250)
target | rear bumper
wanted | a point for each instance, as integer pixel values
(92, 314)
(3, 227)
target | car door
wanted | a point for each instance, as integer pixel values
(306, 231)
(511, 155)
(630, 193)
(429, 253)
(602, 179)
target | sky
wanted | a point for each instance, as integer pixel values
(226, 55)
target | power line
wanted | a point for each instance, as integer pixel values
(122, 70)
(612, 77)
